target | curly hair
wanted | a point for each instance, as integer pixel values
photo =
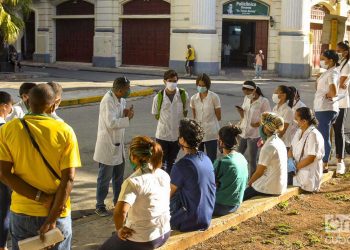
(191, 132)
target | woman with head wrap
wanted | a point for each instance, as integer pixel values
(270, 177)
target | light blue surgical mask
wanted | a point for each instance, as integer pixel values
(201, 89)
(262, 133)
(132, 164)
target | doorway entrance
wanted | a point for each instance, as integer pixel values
(28, 39)
(241, 41)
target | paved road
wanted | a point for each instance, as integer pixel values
(84, 121)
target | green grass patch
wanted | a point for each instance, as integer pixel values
(283, 205)
(337, 197)
(283, 229)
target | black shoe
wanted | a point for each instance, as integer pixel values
(102, 212)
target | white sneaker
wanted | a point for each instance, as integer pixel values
(341, 168)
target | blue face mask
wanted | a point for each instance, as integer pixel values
(126, 95)
(262, 133)
(201, 90)
(132, 164)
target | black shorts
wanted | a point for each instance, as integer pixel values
(190, 63)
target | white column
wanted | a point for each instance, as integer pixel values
(203, 14)
(294, 35)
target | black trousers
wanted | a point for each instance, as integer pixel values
(339, 136)
(170, 152)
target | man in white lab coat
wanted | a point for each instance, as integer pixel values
(114, 117)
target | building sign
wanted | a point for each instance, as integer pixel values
(246, 8)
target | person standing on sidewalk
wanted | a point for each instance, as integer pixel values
(326, 109)
(5, 194)
(206, 109)
(114, 117)
(259, 62)
(253, 106)
(227, 53)
(344, 103)
(21, 108)
(57, 88)
(38, 157)
(169, 107)
(190, 57)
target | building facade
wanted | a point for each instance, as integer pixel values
(111, 33)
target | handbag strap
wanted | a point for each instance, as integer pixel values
(36, 146)
(302, 152)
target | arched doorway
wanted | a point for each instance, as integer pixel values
(75, 31)
(146, 40)
(28, 39)
(318, 12)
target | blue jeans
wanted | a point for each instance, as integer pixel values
(105, 174)
(211, 148)
(258, 70)
(24, 226)
(325, 120)
(252, 155)
(221, 210)
(5, 202)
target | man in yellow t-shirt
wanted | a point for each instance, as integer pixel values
(190, 57)
(40, 197)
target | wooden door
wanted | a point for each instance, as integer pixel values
(28, 39)
(146, 42)
(261, 39)
(74, 40)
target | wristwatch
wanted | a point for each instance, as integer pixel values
(38, 194)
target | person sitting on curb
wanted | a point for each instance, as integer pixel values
(192, 182)
(231, 173)
(270, 177)
(306, 152)
(141, 215)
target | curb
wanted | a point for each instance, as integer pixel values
(248, 209)
(94, 99)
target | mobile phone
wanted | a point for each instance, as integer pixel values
(238, 107)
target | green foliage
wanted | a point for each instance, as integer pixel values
(12, 14)
(283, 229)
(283, 205)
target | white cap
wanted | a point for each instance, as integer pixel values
(260, 51)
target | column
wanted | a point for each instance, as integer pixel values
(105, 39)
(200, 33)
(294, 35)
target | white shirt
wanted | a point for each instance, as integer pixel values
(2, 121)
(252, 114)
(273, 156)
(286, 113)
(205, 114)
(309, 178)
(170, 115)
(227, 49)
(344, 71)
(331, 76)
(109, 148)
(148, 195)
(18, 111)
(294, 126)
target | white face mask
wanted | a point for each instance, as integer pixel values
(275, 98)
(171, 85)
(323, 64)
(340, 56)
(251, 96)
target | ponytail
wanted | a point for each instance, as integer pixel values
(228, 135)
(259, 92)
(345, 46)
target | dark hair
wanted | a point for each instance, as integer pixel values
(120, 83)
(331, 54)
(26, 87)
(228, 135)
(307, 114)
(257, 89)
(191, 132)
(204, 78)
(40, 97)
(170, 74)
(5, 98)
(145, 150)
(294, 92)
(286, 90)
(56, 87)
(345, 46)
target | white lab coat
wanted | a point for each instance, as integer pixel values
(109, 149)
(309, 178)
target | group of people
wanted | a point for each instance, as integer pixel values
(288, 145)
